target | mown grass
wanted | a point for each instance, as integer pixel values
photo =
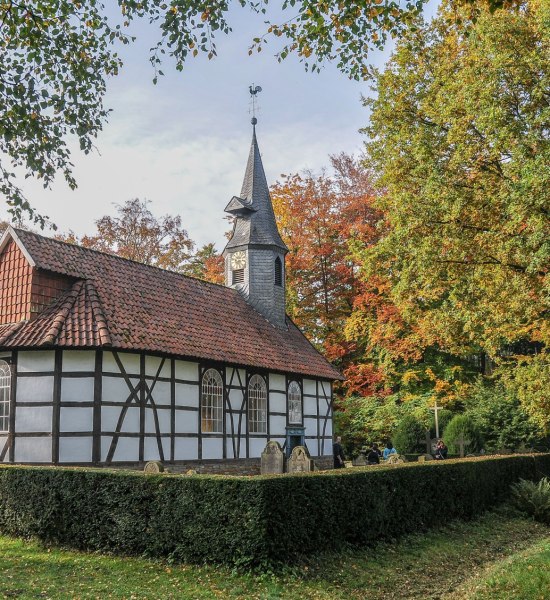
(524, 576)
(432, 565)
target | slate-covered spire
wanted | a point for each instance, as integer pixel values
(255, 220)
(255, 254)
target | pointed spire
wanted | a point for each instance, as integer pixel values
(257, 225)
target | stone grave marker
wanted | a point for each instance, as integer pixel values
(425, 457)
(360, 461)
(153, 466)
(273, 459)
(300, 461)
(462, 443)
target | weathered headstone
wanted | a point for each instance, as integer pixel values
(462, 443)
(395, 459)
(360, 461)
(425, 457)
(153, 466)
(300, 461)
(273, 459)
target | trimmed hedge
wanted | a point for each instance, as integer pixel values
(247, 521)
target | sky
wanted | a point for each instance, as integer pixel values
(183, 143)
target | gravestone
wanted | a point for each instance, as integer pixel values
(425, 457)
(395, 459)
(273, 459)
(153, 466)
(299, 461)
(462, 443)
(360, 461)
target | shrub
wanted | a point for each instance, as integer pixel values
(463, 426)
(254, 520)
(533, 498)
(502, 420)
(409, 436)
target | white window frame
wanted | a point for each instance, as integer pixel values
(5, 395)
(295, 405)
(212, 402)
(257, 405)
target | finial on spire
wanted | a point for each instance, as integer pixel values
(254, 90)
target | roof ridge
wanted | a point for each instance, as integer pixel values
(118, 257)
(62, 313)
(98, 314)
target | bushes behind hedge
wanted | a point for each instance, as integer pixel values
(248, 521)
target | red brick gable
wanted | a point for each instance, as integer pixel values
(128, 305)
(15, 285)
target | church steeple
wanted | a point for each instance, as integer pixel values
(255, 254)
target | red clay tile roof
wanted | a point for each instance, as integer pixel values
(127, 305)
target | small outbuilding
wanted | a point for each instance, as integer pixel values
(106, 361)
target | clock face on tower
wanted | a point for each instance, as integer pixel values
(238, 260)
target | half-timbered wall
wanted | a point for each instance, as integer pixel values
(101, 407)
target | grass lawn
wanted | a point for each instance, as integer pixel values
(462, 561)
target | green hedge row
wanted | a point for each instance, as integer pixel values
(247, 521)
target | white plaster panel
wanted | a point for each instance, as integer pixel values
(236, 399)
(114, 389)
(75, 449)
(187, 370)
(33, 418)
(35, 389)
(76, 419)
(311, 426)
(229, 448)
(187, 395)
(5, 355)
(78, 360)
(130, 362)
(131, 420)
(2, 442)
(161, 392)
(310, 406)
(163, 417)
(111, 414)
(326, 447)
(256, 446)
(127, 449)
(152, 364)
(237, 372)
(325, 390)
(33, 362)
(151, 448)
(277, 403)
(33, 449)
(310, 386)
(77, 389)
(277, 382)
(212, 448)
(187, 421)
(186, 448)
(277, 425)
(328, 429)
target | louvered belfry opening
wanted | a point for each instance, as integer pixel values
(237, 276)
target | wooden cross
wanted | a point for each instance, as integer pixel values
(436, 408)
(461, 443)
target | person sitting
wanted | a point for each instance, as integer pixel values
(373, 457)
(389, 450)
(441, 450)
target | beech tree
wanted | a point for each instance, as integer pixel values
(135, 233)
(317, 215)
(458, 140)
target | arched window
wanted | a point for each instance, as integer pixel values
(294, 403)
(257, 405)
(212, 402)
(5, 391)
(278, 271)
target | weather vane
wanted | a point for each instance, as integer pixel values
(254, 90)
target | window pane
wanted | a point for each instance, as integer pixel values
(212, 402)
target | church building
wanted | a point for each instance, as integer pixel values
(106, 361)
